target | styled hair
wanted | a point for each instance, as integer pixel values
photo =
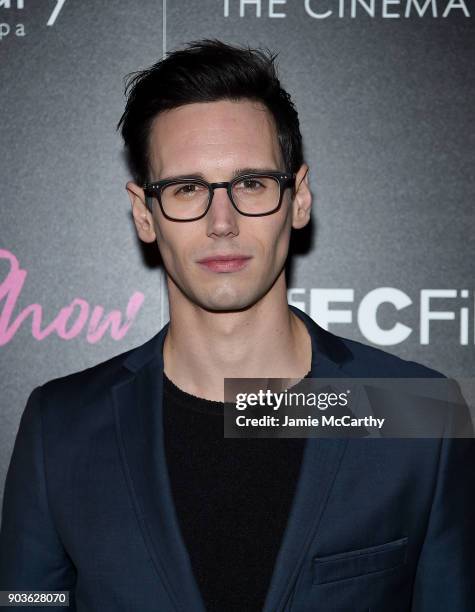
(206, 71)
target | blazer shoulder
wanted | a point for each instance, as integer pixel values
(85, 386)
(368, 361)
(360, 360)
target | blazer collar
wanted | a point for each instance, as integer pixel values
(137, 401)
(152, 349)
(329, 353)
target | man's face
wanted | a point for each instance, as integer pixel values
(216, 141)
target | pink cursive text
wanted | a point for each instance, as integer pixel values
(70, 320)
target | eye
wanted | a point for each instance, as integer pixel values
(187, 189)
(250, 185)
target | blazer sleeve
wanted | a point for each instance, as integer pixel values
(445, 577)
(32, 556)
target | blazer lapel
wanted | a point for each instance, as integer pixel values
(138, 412)
(320, 463)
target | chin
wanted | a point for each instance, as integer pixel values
(225, 303)
(229, 298)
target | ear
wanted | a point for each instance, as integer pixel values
(142, 216)
(302, 203)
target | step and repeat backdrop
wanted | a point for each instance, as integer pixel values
(385, 92)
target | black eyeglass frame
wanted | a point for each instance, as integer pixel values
(285, 181)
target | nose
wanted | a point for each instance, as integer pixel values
(222, 217)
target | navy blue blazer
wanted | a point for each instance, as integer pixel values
(377, 525)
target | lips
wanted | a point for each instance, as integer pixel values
(224, 263)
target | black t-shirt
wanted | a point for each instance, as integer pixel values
(232, 499)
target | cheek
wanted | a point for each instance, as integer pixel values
(278, 238)
(172, 244)
(270, 247)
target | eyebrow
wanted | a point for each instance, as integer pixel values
(237, 172)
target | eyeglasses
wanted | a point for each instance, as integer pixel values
(251, 194)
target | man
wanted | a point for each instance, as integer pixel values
(121, 487)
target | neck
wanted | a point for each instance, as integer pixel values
(264, 341)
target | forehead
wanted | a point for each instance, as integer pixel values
(213, 136)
